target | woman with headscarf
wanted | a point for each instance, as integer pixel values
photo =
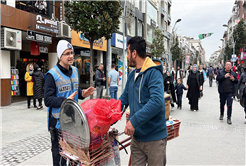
(38, 85)
(29, 85)
(169, 87)
(194, 86)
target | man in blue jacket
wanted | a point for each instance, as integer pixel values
(61, 82)
(227, 78)
(144, 93)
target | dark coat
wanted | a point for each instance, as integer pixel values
(170, 86)
(38, 87)
(179, 89)
(221, 77)
(98, 77)
(198, 81)
(241, 84)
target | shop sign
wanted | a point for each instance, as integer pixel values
(43, 49)
(80, 41)
(39, 37)
(187, 59)
(153, 23)
(117, 40)
(50, 25)
(48, 29)
(85, 53)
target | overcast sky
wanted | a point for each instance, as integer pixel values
(202, 16)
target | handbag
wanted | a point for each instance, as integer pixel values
(244, 91)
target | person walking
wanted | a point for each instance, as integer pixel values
(179, 74)
(38, 87)
(113, 81)
(144, 93)
(203, 74)
(99, 80)
(235, 95)
(210, 75)
(179, 87)
(61, 82)
(169, 88)
(242, 91)
(227, 78)
(29, 85)
(194, 86)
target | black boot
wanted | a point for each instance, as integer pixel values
(229, 120)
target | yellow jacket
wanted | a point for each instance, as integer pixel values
(29, 84)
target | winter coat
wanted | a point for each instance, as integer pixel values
(179, 89)
(98, 77)
(38, 87)
(221, 77)
(29, 84)
(145, 96)
(241, 84)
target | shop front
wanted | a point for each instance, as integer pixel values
(34, 42)
(82, 56)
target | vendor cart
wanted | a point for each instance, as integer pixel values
(77, 147)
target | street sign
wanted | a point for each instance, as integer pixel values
(234, 58)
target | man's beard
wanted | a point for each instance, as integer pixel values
(132, 63)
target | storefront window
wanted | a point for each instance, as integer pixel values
(150, 33)
(131, 28)
(140, 28)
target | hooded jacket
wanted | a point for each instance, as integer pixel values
(145, 96)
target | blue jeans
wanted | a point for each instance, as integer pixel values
(113, 92)
(226, 98)
(179, 100)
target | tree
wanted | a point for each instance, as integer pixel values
(157, 46)
(176, 51)
(228, 52)
(95, 19)
(239, 36)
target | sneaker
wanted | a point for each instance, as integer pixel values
(28, 107)
(229, 120)
(221, 117)
(171, 108)
(35, 106)
(245, 122)
(180, 108)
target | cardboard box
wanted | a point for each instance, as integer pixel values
(167, 105)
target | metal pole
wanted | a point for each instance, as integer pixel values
(108, 66)
(124, 57)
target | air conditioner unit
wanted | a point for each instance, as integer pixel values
(11, 39)
(64, 30)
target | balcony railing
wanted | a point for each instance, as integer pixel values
(163, 31)
(32, 7)
(170, 2)
(162, 11)
(169, 17)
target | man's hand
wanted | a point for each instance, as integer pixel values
(200, 88)
(168, 82)
(187, 87)
(104, 79)
(129, 129)
(72, 95)
(232, 78)
(227, 75)
(88, 92)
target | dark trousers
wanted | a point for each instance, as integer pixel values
(226, 98)
(179, 96)
(29, 101)
(40, 101)
(58, 160)
(245, 105)
(210, 80)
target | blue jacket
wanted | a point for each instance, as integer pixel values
(145, 96)
(180, 88)
(221, 77)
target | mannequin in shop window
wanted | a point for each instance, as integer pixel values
(42, 6)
